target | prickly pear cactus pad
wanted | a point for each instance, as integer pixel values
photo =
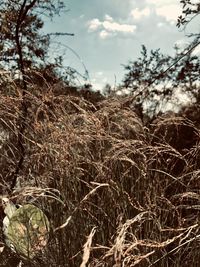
(28, 230)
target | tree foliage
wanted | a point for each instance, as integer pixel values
(190, 9)
(154, 78)
(23, 54)
(22, 44)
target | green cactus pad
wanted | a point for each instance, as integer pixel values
(28, 230)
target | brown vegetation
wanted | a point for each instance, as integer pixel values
(97, 172)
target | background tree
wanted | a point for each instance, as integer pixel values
(190, 9)
(144, 75)
(156, 80)
(23, 53)
(23, 46)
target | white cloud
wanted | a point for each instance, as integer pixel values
(116, 27)
(104, 34)
(99, 73)
(140, 13)
(196, 51)
(169, 9)
(160, 3)
(169, 12)
(109, 27)
(98, 84)
(160, 24)
(109, 18)
(94, 24)
(181, 43)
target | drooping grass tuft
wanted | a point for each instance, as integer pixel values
(97, 167)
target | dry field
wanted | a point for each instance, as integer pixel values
(116, 193)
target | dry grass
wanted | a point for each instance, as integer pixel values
(96, 167)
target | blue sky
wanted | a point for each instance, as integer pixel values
(109, 33)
